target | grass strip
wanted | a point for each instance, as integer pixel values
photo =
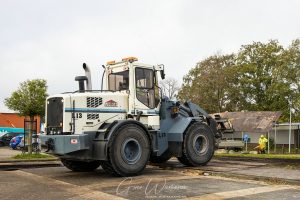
(263, 156)
(32, 156)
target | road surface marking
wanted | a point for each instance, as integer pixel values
(237, 180)
(242, 193)
(86, 192)
(81, 192)
(140, 180)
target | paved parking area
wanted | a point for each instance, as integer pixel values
(7, 153)
(154, 183)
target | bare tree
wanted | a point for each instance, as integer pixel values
(169, 87)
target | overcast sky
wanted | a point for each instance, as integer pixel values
(51, 39)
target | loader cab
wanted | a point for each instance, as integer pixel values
(138, 80)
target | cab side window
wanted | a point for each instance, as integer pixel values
(144, 80)
(118, 81)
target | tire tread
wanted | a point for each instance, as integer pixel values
(80, 166)
(185, 159)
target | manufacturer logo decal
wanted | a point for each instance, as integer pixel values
(111, 103)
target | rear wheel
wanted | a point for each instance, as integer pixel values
(198, 145)
(80, 166)
(128, 150)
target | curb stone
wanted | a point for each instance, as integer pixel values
(273, 180)
(36, 164)
(28, 160)
(266, 160)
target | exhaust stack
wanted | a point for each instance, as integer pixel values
(88, 75)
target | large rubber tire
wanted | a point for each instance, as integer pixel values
(80, 166)
(198, 145)
(108, 168)
(128, 151)
(161, 159)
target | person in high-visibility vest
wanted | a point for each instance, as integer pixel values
(262, 142)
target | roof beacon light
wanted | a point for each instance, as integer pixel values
(112, 62)
(129, 59)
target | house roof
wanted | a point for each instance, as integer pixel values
(253, 121)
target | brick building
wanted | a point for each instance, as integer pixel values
(12, 122)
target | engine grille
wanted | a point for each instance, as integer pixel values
(93, 102)
(92, 116)
(54, 115)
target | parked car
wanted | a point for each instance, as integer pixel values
(15, 141)
(5, 138)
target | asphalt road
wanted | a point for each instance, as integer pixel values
(155, 183)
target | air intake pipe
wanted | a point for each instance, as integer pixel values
(81, 80)
(88, 75)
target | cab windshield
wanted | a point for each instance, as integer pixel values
(118, 81)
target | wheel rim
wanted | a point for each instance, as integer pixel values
(131, 151)
(200, 144)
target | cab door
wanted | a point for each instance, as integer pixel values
(146, 90)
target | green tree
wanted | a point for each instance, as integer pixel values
(293, 61)
(268, 77)
(208, 84)
(260, 77)
(29, 100)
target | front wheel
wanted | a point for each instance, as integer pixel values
(80, 166)
(129, 151)
(198, 145)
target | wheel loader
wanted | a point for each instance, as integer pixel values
(127, 123)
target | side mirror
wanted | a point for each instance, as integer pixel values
(162, 74)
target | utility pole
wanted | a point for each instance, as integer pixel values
(268, 142)
(275, 137)
(290, 129)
